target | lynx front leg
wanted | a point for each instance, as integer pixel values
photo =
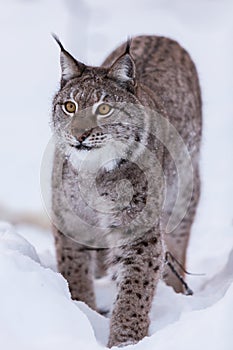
(139, 272)
(76, 265)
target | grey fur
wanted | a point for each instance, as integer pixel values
(157, 74)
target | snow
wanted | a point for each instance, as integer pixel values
(36, 309)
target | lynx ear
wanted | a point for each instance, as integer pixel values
(123, 69)
(70, 67)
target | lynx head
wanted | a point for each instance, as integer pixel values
(91, 109)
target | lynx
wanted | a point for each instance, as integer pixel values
(95, 110)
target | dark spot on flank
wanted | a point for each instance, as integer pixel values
(145, 243)
(86, 271)
(128, 261)
(104, 194)
(134, 315)
(139, 295)
(137, 269)
(116, 260)
(114, 277)
(145, 283)
(140, 250)
(156, 268)
(150, 264)
(161, 59)
(129, 291)
(154, 240)
(183, 234)
(127, 282)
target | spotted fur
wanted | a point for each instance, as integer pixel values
(156, 73)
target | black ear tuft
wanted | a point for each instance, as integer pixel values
(70, 67)
(123, 69)
(55, 37)
(128, 45)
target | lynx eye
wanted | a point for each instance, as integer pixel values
(104, 109)
(70, 107)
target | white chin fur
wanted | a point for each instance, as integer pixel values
(106, 157)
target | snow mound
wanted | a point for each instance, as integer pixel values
(37, 312)
(12, 241)
(36, 309)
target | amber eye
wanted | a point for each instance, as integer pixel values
(104, 109)
(70, 107)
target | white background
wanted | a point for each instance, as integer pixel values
(29, 71)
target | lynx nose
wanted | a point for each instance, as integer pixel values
(81, 135)
(82, 125)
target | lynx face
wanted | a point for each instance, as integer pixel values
(96, 107)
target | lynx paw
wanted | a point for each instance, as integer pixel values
(104, 312)
(119, 344)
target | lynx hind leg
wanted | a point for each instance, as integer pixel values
(75, 263)
(176, 244)
(138, 267)
(177, 241)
